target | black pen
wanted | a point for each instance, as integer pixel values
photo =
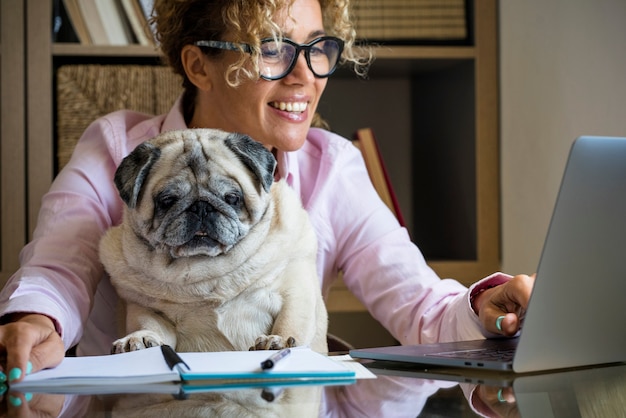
(270, 394)
(173, 360)
(275, 358)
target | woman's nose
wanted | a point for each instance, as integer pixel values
(301, 70)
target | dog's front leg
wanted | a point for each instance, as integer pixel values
(146, 328)
(303, 319)
(299, 327)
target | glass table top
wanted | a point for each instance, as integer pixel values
(398, 391)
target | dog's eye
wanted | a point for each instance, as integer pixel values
(166, 201)
(232, 199)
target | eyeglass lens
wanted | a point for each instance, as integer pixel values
(278, 58)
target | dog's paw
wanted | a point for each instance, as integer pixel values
(137, 340)
(272, 342)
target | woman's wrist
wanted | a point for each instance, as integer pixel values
(31, 317)
(477, 292)
(478, 298)
(477, 295)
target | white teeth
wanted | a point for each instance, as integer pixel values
(290, 106)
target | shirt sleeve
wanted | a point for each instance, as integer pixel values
(60, 268)
(387, 272)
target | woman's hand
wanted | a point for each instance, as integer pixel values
(501, 309)
(493, 401)
(17, 404)
(30, 343)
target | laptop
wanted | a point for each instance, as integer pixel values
(577, 311)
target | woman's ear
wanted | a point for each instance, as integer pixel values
(196, 65)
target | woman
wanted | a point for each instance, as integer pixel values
(258, 69)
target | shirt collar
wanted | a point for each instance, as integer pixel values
(174, 120)
(287, 168)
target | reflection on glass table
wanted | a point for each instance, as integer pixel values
(397, 392)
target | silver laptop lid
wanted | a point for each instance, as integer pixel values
(577, 313)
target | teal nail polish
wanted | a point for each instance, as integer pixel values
(29, 368)
(28, 397)
(3, 377)
(500, 397)
(14, 374)
(499, 322)
(3, 388)
(15, 401)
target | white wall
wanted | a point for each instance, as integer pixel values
(562, 75)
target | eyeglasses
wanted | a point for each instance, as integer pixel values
(278, 57)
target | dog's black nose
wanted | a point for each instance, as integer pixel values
(200, 208)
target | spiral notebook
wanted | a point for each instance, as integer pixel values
(209, 369)
(575, 316)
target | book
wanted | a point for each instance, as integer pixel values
(206, 370)
(365, 141)
(72, 9)
(91, 18)
(147, 6)
(114, 22)
(138, 20)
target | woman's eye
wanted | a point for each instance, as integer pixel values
(270, 53)
(317, 51)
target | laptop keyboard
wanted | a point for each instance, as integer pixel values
(505, 354)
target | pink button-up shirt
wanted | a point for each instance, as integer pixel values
(61, 275)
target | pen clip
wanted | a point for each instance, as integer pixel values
(173, 360)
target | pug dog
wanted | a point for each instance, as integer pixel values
(212, 254)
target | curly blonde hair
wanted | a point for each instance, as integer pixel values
(183, 22)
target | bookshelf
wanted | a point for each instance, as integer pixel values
(433, 109)
(12, 136)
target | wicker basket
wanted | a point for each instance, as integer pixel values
(411, 20)
(87, 92)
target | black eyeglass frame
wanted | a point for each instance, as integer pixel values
(242, 47)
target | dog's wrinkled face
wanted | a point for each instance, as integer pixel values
(195, 192)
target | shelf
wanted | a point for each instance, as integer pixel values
(381, 52)
(424, 52)
(390, 61)
(78, 50)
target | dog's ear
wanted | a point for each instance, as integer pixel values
(133, 170)
(255, 156)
